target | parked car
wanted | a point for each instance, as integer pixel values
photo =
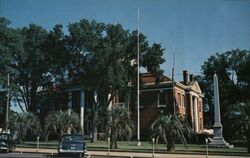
(6, 142)
(72, 144)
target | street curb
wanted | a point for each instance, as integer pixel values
(105, 153)
(86, 154)
(156, 151)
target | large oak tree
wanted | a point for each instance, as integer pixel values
(232, 69)
(105, 59)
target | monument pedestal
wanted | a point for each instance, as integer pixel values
(218, 140)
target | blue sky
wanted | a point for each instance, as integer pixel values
(195, 29)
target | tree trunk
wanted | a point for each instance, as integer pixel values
(94, 134)
(157, 142)
(168, 147)
(33, 95)
(47, 136)
(94, 129)
(113, 144)
(171, 145)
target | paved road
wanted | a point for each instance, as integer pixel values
(18, 155)
(37, 155)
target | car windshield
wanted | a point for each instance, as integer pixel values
(72, 138)
(3, 136)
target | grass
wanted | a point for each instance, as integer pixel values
(145, 147)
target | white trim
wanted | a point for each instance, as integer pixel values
(161, 106)
(193, 94)
(181, 85)
(153, 83)
(155, 89)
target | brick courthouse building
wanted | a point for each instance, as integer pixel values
(157, 98)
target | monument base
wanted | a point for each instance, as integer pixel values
(219, 142)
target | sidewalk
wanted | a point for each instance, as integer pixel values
(34, 150)
(124, 154)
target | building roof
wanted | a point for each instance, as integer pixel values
(149, 82)
(148, 78)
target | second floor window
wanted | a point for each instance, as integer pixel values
(184, 100)
(162, 98)
(179, 99)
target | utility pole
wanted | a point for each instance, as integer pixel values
(138, 81)
(7, 104)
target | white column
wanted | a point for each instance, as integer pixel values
(193, 113)
(95, 96)
(196, 114)
(82, 101)
(110, 104)
(69, 102)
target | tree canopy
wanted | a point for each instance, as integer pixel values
(102, 56)
(104, 59)
(231, 68)
(10, 46)
(96, 56)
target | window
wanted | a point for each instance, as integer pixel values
(141, 101)
(38, 109)
(120, 104)
(162, 99)
(121, 98)
(183, 100)
(200, 107)
(179, 99)
(201, 124)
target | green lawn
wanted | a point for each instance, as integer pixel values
(145, 147)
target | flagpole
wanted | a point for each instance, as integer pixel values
(138, 81)
(7, 104)
(174, 104)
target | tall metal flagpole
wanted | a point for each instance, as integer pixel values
(8, 102)
(174, 104)
(138, 82)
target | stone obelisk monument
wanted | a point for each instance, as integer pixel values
(218, 140)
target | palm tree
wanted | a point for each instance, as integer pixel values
(170, 129)
(119, 124)
(60, 123)
(24, 126)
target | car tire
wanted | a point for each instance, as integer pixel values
(81, 155)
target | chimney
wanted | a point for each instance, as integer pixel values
(185, 77)
(191, 77)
